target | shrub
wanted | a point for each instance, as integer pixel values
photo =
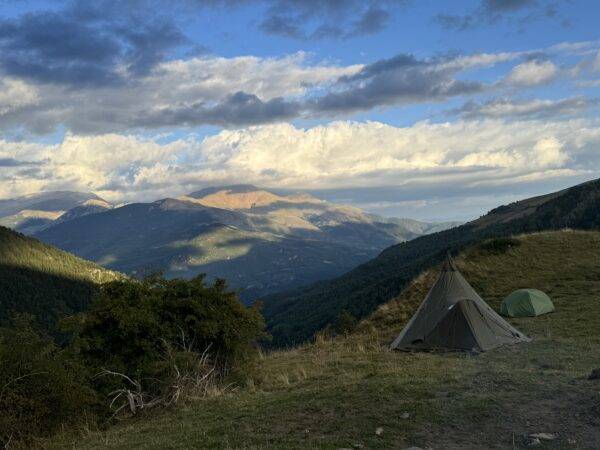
(345, 323)
(42, 387)
(498, 246)
(144, 334)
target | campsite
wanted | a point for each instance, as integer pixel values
(299, 224)
(454, 317)
(338, 392)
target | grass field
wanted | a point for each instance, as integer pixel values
(351, 392)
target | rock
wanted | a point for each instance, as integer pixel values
(543, 436)
(571, 441)
(379, 431)
(404, 415)
(533, 442)
(595, 375)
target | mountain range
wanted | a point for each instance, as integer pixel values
(256, 236)
(295, 316)
(261, 242)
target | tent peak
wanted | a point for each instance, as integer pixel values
(449, 264)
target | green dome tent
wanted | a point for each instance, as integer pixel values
(526, 303)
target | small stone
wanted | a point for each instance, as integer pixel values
(571, 441)
(595, 375)
(379, 431)
(404, 415)
(534, 442)
(543, 436)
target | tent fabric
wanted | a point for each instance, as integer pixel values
(453, 316)
(526, 303)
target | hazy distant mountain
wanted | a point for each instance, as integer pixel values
(33, 213)
(261, 242)
(295, 315)
(91, 206)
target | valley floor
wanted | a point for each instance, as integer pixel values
(352, 392)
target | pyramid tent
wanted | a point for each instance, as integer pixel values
(454, 317)
(526, 303)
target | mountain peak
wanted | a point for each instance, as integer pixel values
(242, 197)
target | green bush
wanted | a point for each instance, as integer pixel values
(498, 246)
(42, 387)
(141, 329)
(142, 344)
(345, 323)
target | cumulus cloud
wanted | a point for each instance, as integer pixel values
(339, 155)
(374, 154)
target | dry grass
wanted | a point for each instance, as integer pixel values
(337, 392)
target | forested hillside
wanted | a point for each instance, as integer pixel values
(41, 280)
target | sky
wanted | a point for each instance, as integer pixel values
(427, 109)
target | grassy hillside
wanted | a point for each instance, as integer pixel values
(337, 393)
(41, 280)
(296, 315)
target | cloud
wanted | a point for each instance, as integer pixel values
(490, 12)
(12, 162)
(404, 79)
(588, 83)
(351, 156)
(532, 73)
(525, 109)
(326, 19)
(84, 48)
(15, 94)
(506, 5)
(336, 155)
(235, 110)
(200, 90)
(95, 70)
(246, 90)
